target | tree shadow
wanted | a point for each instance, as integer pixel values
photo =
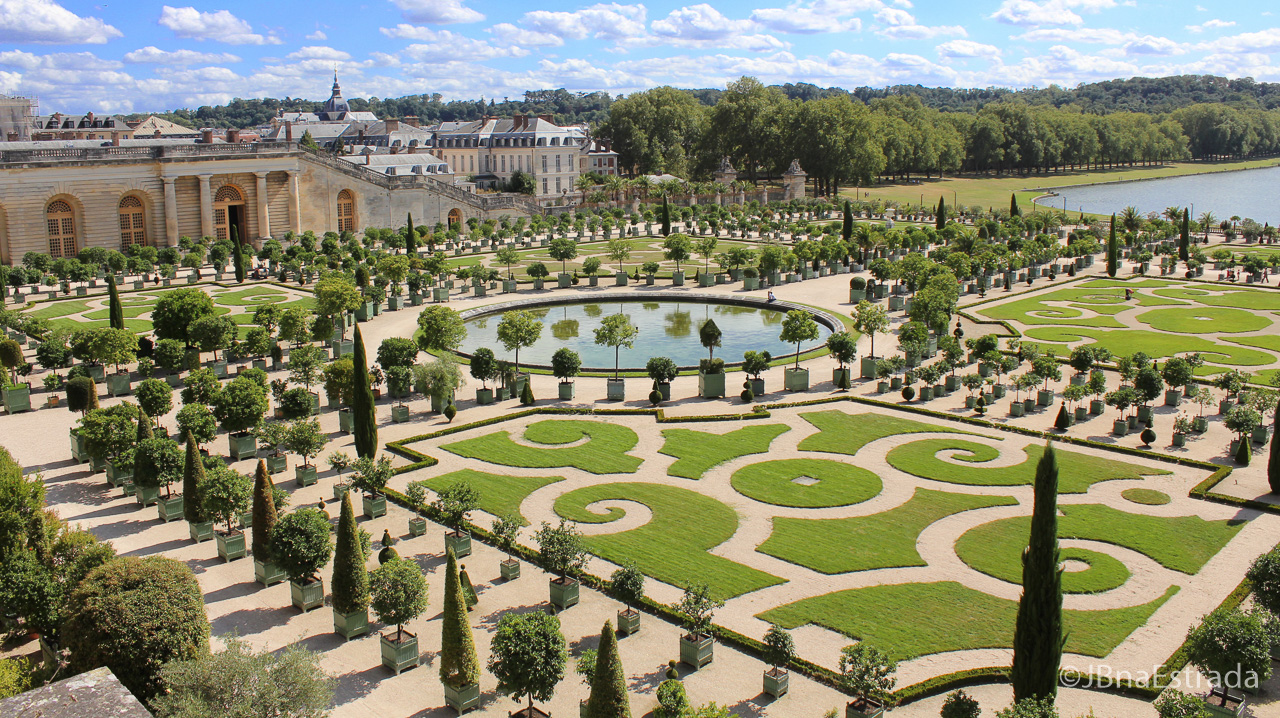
(648, 682)
(100, 513)
(248, 621)
(235, 590)
(490, 621)
(200, 565)
(356, 685)
(753, 706)
(154, 548)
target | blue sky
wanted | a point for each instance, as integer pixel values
(142, 55)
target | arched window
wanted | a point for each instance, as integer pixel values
(62, 229)
(346, 211)
(228, 211)
(455, 218)
(132, 222)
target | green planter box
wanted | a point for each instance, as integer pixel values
(267, 574)
(564, 595)
(17, 398)
(776, 682)
(1120, 427)
(346, 420)
(616, 389)
(952, 383)
(462, 699)
(241, 445)
(400, 413)
(537, 284)
(1044, 397)
(305, 475)
(169, 509)
(1259, 435)
(757, 387)
(417, 526)
(260, 364)
(593, 281)
(837, 375)
(395, 303)
(398, 655)
(374, 506)
(350, 625)
(868, 367)
(509, 286)
(97, 372)
(117, 477)
(1081, 413)
(567, 390)
(277, 464)
(78, 451)
(1145, 414)
(510, 569)
(246, 519)
(706, 279)
(564, 280)
(231, 546)
(863, 709)
(118, 384)
(1179, 440)
(1096, 406)
(220, 368)
(750, 284)
(147, 495)
(697, 652)
(200, 532)
(307, 596)
(710, 386)
(484, 396)
(479, 290)
(1200, 424)
(620, 279)
(439, 294)
(795, 379)
(459, 543)
(1017, 408)
(628, 621)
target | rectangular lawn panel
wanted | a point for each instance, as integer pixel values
(1076, 472)
(603, 451)
(674, 545)
(841, 433)
(865, 543)
(54, 310)
(917, 619)
(698, 451)
(1123, 342)
(500, 495)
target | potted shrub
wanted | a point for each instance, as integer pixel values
(459, 666)
(265, 507)
(539, 272)
(1202, 398)
(798, 327)
(972, 382)
(238, 407)
(627, 585)
(226, 496)
(1241, 421)
(565, 365)
(754, 364)
(1097, 388)
(867, 674)
(591, 268)
(779, 650)
(616, 331)
(1181, 427)
(1073, 394)
(157, 464)
(528, 657)
(453, 503)
(416, 493)
(110, 436)
(505, 530)
(484, 368)
(677, 248)
(399, 595)
(696, 609)
(844, 349)
(750, 279)
(272, 436)
(518, 329)
(1177, 373)
(562, 554)
(370, 477)
(440, 380)
(1046, 367)
(871, 319)
(650, 270)
(662, 370)
(301, 546)
(304, 438)
(1121, 399)
(1233, 646)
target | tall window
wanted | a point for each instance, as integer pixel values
(62, 229)
(544, 163)
(557, 163)
(544, 185)
(132, 222)
(228, 196)
(346, 211)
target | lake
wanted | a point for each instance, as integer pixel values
(1245, 193)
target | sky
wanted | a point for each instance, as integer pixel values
(142, 56)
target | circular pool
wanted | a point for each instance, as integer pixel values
(668, 327)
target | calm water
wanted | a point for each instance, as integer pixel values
(667, 328)
(1247, 193)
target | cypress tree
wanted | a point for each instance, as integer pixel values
(1273, 462)
(237, 254)
(350, 579)
(264, 512)
(1013, 206)
(1037, 635)
(192, 483)
(1113, 250)
(1184, 239)
(362, 409)
(846, 229)
(940, 220)
(410, 237)
(115, 311)
(666, 217)
(459, 665)
(608, 697)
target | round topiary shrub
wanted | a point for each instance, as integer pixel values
(1148, 435)
(133, 615)
(747, 396)
(908, 393)
(857, 283)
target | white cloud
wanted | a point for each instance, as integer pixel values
(155, 56)
(318, 36)
(820, 16)
(1263, 41)
(704, 26)
(508, 33)
(437, 12)
(443, 45)
(221, 26)
(45, 21)
(902, 25)
(1151, 45)
(1214, 24)
(1025, 12)
(960, 49)
(318, 52)
(610, 21)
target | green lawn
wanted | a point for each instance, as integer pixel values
(1149, 497)
(604, 452)
(1123, 342)
(1045, 309)
(500, 494)
(674, 547)
(65, 308)
(1076, 472)
(1180, 543)
(250, 297)
(789, 482)
(863, 543)
(1259, 300)
(841, 433)
(918, 619)
(137, 326)
(1204, 320)
(996, 549)
(698, 451)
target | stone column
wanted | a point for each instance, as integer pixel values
(206, 206)
(264, 214)
(170, 212)
(295, 203)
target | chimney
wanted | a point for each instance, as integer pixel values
(413, 149)
(233, 137)
(12, 137)
(546, 118)
(392, 126)
(366, 158)
(206, 136)
(395, 149)
(288, 131)
(517, 123)
(411, 120)
(156, 134)
(115, 139)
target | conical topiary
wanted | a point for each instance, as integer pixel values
(1037, 636)
(362, 409)
(459, 665)
(115, 312)
(1244, 453)
(526, 394)
(468, 591)
(1063, 421)
(264, 512)
(350, 579)
(1273, 462)
(192, 481)
(143, 470)
(237, 254)
(608, 697)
